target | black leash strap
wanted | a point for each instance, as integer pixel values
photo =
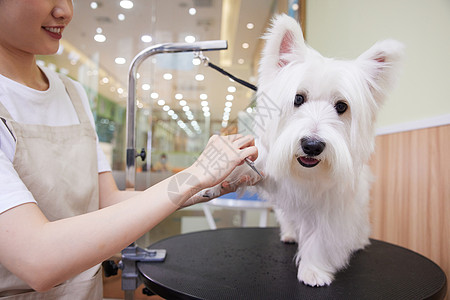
(243, 82)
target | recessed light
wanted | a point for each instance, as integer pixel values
(100, 38)
(229, 97)
(189, 39)
(166, 107)
(120, 60)
(204, 103)
(203, 96)
(121, 17)
(167, 76)
(250, 25)
(182, 102)
(146, 38)
(178, 96)
(161, 102)
(241, 61)
(192, 11)
(228, 104)
(146, 86)
(231, 89)
(199, 77)
(245, 45)
(154, 95)
(94, 5)
(127, 4)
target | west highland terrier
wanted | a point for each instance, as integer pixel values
(314, 128)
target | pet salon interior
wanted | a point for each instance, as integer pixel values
(178, 100)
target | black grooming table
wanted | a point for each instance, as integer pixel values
(252, 263)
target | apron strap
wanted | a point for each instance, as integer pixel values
(76, 99)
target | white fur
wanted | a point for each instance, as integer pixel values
(324, 208)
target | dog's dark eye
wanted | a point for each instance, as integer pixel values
(341, 107)
(299, 100)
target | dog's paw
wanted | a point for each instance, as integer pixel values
(314, 276)
(288, 238)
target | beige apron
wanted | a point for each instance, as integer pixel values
(58, 164)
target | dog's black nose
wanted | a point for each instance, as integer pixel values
(312, 146)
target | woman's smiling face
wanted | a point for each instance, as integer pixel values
(33, 26)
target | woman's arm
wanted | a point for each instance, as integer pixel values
(47, 253)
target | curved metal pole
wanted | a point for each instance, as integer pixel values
(130, 175)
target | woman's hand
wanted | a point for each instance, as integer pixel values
(221, 155)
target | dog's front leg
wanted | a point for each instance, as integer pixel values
(287, 230)
(314, 267)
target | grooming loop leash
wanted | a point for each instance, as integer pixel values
(206, 62)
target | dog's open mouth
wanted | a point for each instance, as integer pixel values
(308, 162)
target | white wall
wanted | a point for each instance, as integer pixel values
(346, 28)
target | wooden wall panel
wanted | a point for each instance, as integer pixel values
(410, 204)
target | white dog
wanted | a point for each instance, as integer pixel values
(314, 125)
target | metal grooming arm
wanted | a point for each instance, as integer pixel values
(133, 254)
(130, 175)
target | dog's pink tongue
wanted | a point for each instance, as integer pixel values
(308, 161)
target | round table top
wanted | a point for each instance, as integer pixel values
(252, 263)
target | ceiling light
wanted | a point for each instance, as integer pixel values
(196, 61)
(205, 108)
(154, 95)
(224, 124)
(127, 4)
(226, 118)
(99, 38)
(174, 116)
(120, 90)
(231, 89)
(146, 38)
(189, 39)
(203, 96)
(178, 96)
(241, 61)
(192, 11)
(204, 103)
(161, 102)
(245, 45)
(94, 5)
(229, 97)
(199, 77)
(121, 17)
(182, 103)
(227, 109)
(186, 108)
(250, 25)
(167, 76)
(228, 104)
(249, 110)
(120, 60)
(105, 80)
(295, 6)
(170, 112)
(207, 114)
(166, 107)
(146, 86)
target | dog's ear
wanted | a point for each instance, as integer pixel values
(380, 65)
(284, 43)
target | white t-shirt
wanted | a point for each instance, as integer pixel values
(52, 107)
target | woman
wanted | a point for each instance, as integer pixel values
(61, 213)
